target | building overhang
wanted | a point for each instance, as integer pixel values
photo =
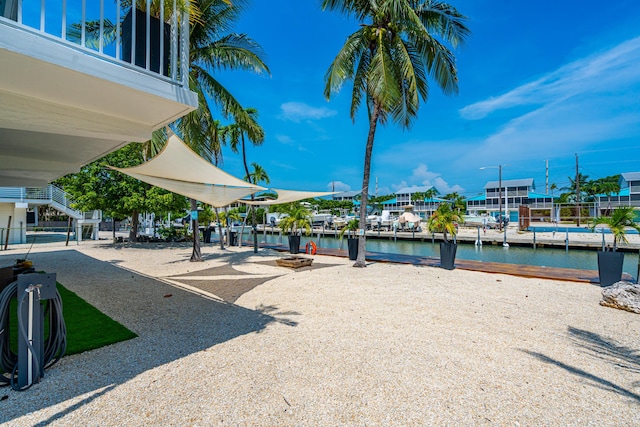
(62, 107)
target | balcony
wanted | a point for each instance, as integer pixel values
(83, 78)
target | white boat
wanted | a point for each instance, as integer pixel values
(479, 221)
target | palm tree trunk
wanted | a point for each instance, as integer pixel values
(219, 228)
(226, 211)
(196, 255)
(373, 123)
(246, 217)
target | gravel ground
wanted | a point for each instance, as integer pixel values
(388, 345)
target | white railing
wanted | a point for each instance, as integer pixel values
(113, 30)
(51, 194)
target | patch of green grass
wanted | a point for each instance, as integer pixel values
(87, 327)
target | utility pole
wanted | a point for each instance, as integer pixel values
(500, 194)
(578, 189)
(546, 177)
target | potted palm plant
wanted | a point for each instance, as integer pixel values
(610, 262)
(444, 220)
(298, 218)
(352, 242)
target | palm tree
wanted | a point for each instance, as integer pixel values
(389, 59)
(444, 220)
(298, 217)
(622, 218)
(430, 194)
(457, 201)
(610, 188)
(258, 175)
(212, 49)
(236, 132)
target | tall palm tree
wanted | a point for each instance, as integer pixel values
(236, 134)
(212, 47)
(430, 194)
(389, 58)
(258, 175)
(457, 201)
(609, 188)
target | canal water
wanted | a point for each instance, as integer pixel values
(574, 258)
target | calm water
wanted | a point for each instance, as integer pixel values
(579, 259)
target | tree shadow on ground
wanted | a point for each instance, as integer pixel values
(604, 349)
(595, 380)
(168, 328)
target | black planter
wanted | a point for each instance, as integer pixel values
(610, 267)
(448, 255)
(353, 248)
(294, 244)
(207, 235)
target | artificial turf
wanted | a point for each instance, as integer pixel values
(87, 327)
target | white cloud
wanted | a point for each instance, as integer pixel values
(589, 101)
(285, 139)
(338, 186)
(422, 175)
(614, 70)
(298, 111)
(444, 187)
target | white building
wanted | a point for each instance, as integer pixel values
(66, 101)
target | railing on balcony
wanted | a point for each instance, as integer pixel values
(51, 194)
(113, 30)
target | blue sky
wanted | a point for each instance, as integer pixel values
(542, 80)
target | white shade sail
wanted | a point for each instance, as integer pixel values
(178, 162)
(214, 195)
(179, 169)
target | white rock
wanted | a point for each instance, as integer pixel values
(622, 295)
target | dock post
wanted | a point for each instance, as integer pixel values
(478, 241)
(603, 247)
(534, 238)
(504, 241)
(638, 272)
(566, 239)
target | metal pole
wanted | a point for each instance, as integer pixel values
(534, 238)
(478, 241)
(603, 240)
(500, 194)
(578, 189)
(566, 239)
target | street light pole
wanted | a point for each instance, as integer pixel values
(500, 195)
(503, 215)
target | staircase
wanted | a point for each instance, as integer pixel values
(52, 196)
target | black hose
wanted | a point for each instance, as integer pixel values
(54, 345)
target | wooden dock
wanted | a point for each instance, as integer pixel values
(541, 272)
